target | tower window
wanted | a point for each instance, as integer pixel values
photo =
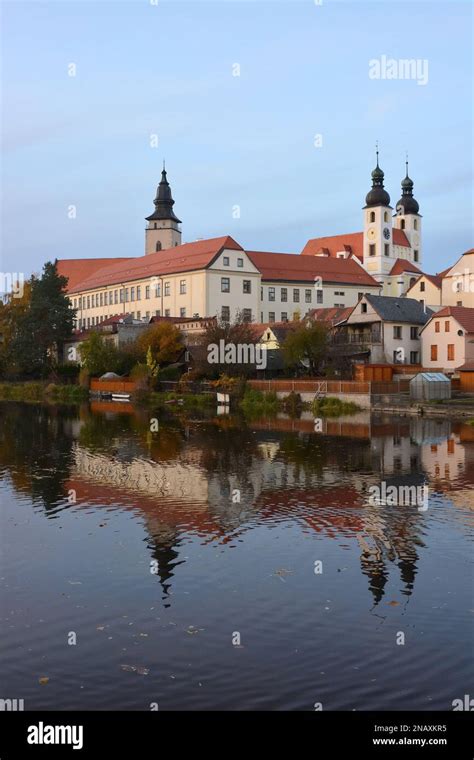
(415, 255)
(158, 246)
(385, 216)
(372, 216)
(372, 249)
(402, 224)
(415, 224)
(386, 249)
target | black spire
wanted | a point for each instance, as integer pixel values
(407, 204)
(163, 202)
(377, 196)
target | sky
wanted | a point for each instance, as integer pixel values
(265, 112)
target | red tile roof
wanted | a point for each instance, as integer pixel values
(288, 267)
(462, 314)
(332, 315)
(467, 367)
(182, 258)
(401, 266)
(77, 270)
(353, 242)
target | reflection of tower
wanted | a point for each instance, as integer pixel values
(164, 543)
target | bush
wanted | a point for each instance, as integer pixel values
(329, 406)
(169, 373)
(293, 404)
(67, 373)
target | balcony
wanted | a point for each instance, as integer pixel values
(357, 339)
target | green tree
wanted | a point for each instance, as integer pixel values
(306, 345)
(99, 355)
(44, 327)
(12, 312)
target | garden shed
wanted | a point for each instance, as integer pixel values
(430, 386)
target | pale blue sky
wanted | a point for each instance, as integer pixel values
(166, 69)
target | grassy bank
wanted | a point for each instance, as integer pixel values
(43, 391)
(330, 406)
(174, 399)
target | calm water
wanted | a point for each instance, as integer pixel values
(137, 545)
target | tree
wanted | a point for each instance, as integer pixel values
(306, 344)
(220, 334)
(99, 355)
(43, 327)
(12, 311)
(163, 340)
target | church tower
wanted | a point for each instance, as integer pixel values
(408, 218)
(163, 229)
(378, 242)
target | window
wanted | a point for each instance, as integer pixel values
(422, 287)
(413, 333)
(437, 327)
(226, 261)
(413, 357)
(339, 293)
(225, 285)
(385, 216)
(284, 295)
(132, 294)
(415, 255)
(139, 315)
(271, 316)
(447, 326)
(158, 313)
(147, 291)
(450, 352)
(182, 311)
(225, 313)
(240, 263)
(296, 295)
(372, 216)
(434, 353)
(271, 294)
(126, 295)
(247, 286)
(261, 296)
(147, 316)
(158, 290)
(167, 288)
(386, 249)
(397, 332)
(363, 308)
(88, 302)
(158, 246)
(115, 296)
(422, 302)
(402, 224)
(88, 321)
(247, 315)
(458, 303)
(139, 293)
(319, 296)
(284, 316)
(398, 356)
(182, 288)
(167, 313)
(339, 305)
(122, 295)
(415, 224)
(307, 295)
(101, 299)
(372, 249)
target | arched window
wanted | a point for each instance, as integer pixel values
(154, 225)
(372, 216)
(402, 224)
(158, 246)
(415, 224)
(412, 281)
(385, 216)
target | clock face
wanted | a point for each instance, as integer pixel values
(386, 233)
(371, 233)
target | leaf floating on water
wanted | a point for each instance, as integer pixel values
(135, 669)
(394, 604)
(43, 680)
(101, 627)
(283, 571)
(192, 629)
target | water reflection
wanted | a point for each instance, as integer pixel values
(252, 496)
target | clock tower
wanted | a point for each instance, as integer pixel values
(378, 240)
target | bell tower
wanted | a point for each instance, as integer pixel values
(408, 218)
(163, 229)
(378, 242)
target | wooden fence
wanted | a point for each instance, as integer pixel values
(326, 387)
(112, 386)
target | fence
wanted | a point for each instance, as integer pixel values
(320, 385)
(112, 386)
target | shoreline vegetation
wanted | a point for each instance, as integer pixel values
(251, 403)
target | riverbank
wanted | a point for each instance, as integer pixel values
(43, 391)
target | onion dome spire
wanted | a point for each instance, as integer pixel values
(407, 203)
(377, 196)
(163, 202)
